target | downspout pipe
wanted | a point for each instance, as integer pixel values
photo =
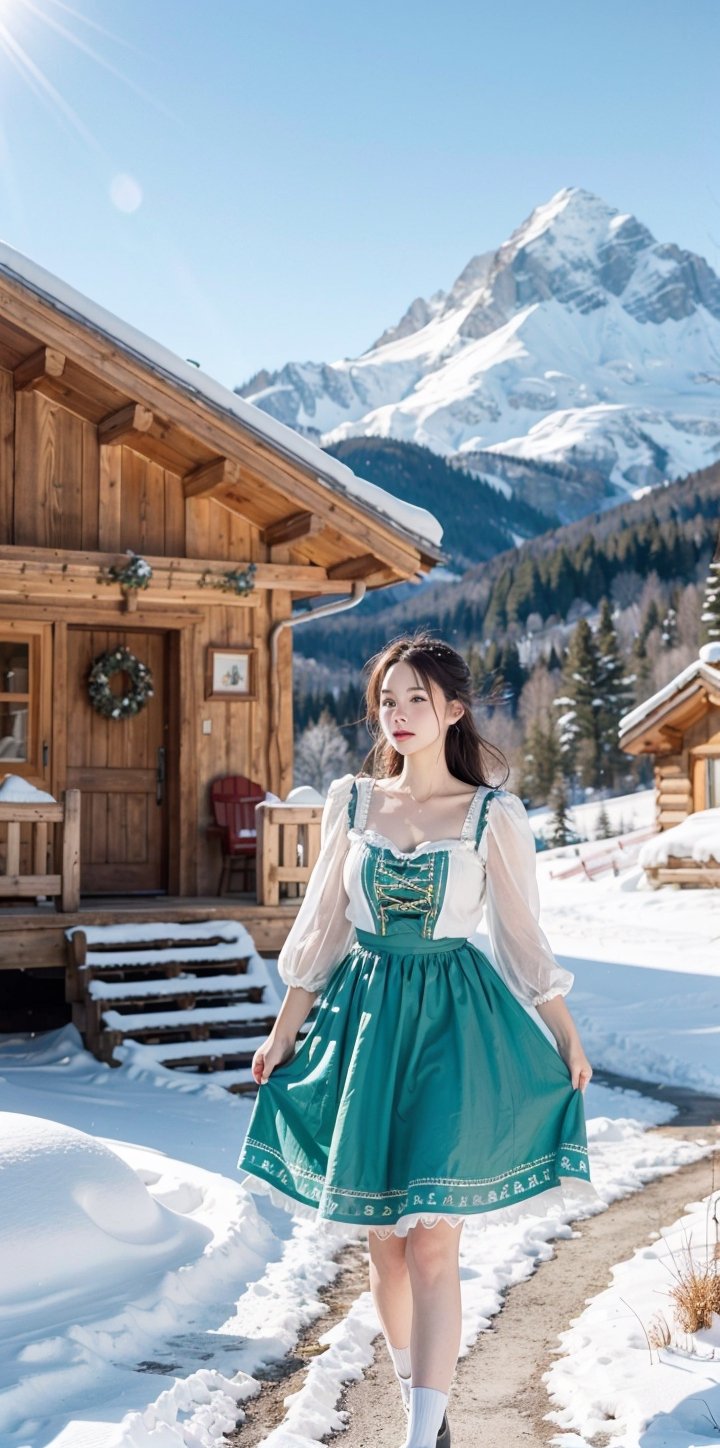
(359, 589)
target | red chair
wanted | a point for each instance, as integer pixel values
(233, 801)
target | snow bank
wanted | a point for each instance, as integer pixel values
(697, 838)
(77, 1223)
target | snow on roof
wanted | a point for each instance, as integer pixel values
(697, 838)
(705, 666)
(422, 524)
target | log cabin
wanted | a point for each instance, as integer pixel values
(680, 727)
(156, 532)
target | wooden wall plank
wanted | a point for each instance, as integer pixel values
(58, 757)
(34, 469)
(7, 457)
(190, 651)
(132, 506)
(65, 501)
(174, 516)
(90, 485)
(197, 528)
(109, 497)
(155, 531)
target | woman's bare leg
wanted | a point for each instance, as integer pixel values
(390, 1287)
(432, 1264)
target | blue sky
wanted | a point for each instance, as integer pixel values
(252, 184)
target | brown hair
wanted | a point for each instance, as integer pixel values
(432, 659)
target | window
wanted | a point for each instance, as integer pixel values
(26, 700)
(712, 783)
(14, 700)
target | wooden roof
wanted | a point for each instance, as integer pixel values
(658, 725)
(55, 340)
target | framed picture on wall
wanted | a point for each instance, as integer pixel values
(230, 673)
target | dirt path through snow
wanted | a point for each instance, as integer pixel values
(497, 1397)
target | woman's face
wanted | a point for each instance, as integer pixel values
(407, 716)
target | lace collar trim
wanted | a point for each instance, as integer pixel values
(466, 837)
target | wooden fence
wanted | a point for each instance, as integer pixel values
(37, 836)
(614, 854)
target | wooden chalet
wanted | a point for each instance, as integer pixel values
(145, 507)
(680, 727)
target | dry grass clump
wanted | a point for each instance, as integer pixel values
(695, 1292)
(659, 1334)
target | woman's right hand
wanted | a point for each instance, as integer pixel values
(270, 1054)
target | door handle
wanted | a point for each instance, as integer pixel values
(160, 776)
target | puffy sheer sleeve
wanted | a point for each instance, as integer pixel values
(521, 951)
(321, 933)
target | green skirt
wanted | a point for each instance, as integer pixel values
(423, 1090)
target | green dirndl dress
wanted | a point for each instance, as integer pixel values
(422, 1090)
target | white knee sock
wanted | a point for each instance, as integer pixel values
(427, 1406)
(401, 1362)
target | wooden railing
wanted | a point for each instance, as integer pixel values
(28, 851)
(615, 854)
(288, 844)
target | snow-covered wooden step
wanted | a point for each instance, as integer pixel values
(239, 1081)
(137, 1021)
(176, 1051)
(195, 995)
(191, 985)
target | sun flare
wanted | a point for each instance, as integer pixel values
(21, 20)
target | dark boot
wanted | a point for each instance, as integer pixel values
(443, 1437)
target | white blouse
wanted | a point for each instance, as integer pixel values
(498, 879)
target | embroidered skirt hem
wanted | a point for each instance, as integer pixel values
(571, 1198)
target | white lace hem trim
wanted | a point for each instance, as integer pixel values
(576, 1198)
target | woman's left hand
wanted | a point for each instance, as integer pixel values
(577, 1064)
(557, 1017)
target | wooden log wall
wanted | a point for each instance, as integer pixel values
(673, 791)
(680, 779)
(62, 486)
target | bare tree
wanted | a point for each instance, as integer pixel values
(321, 754)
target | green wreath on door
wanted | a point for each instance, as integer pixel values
(119, 706)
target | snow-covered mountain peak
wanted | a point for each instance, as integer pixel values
(573, 221)
(581, 348)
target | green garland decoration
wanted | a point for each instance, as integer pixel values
(102, 698)
(234, 580)
(136, 573)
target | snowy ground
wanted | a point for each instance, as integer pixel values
(141, 1288)
(611, 1381)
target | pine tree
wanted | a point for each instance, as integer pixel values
(542, 762)
(562, 832)
(579, 725)
(710, 616)
(616, 695)
(670, 622)
(603, 827)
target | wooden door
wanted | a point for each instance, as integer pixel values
(118, 765)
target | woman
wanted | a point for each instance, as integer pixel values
(423, 1091)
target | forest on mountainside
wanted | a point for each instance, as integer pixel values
(564, 635)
